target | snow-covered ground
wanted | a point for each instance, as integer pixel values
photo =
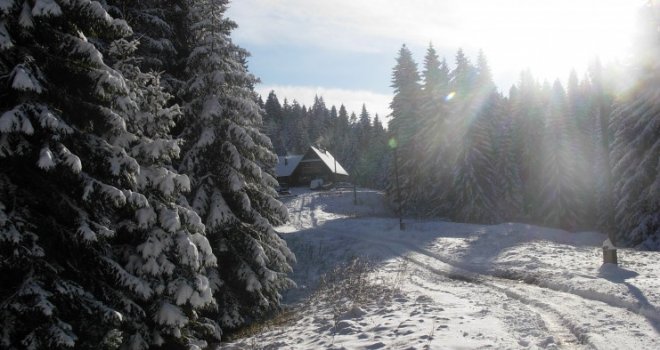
(443, 285)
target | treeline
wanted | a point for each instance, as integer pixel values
(136, 208)
(575, 156)
(358, 142)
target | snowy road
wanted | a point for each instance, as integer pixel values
(568, 318)
(465, 286)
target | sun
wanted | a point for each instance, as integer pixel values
(551, 37)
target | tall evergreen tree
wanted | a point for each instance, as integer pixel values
(474, 175)
(363, 129)
(507, 164)
(162, 230)
(528, 123)
(436, 165)
(342, 146)
(405, 123)
(77, 169)
(601, 101)
(559, 203)
(273, 122)
(318, 120)
(636, 144)
(475, 182)
(581, 125)
(159, 28)
(231, 165)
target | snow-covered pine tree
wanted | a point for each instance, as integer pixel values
(273, 122)
(80, 165)
(379, 156)
(558, 205)
(437, 164)
(162, 41)
(342, 136)
(636, 146)
(363, 129)
(529, 123)
(65, 174)
(351, 144)
(318, 122)
(601, 97)
(331, 129)
(369, 150)
(475, 182)
(230, 163)
(148, 19)
(290, 116)
(404, 126)
(164, 243)
(507, 164)
(463, 78)
(580, 140)
(300, 136)
(334, 116)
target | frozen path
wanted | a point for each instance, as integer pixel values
(466, 286)
(568, 316)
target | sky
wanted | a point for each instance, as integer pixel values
(345, 50)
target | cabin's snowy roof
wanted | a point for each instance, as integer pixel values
(287, 164)
(330, 161)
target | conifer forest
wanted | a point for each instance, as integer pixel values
(137, 165)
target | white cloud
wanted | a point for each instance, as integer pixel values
(363, 26)
(548, 36)
(351, 99)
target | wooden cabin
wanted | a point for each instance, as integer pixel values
(300, 170)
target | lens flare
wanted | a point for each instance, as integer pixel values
(392, 143)
(450, 96)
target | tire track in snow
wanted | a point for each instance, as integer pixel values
(651, 314)
(570, 313)
(556, 323)
(544, 298)
(569, 335)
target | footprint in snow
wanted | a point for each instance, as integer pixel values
(346, 327)
(424, 299)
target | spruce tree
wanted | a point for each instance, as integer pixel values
(164, 245)
(507, 165)
(437, 163)
(601, 101)
(91, 166)
(404, 126)
(475, 181)
(528, 123)
(559, 204)
(580, 140)
(636, 145)
(342, 145)
(363, 130)
(159, 29)
(66, 177)
(273, 121)
(231, 165)
(380, 156)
